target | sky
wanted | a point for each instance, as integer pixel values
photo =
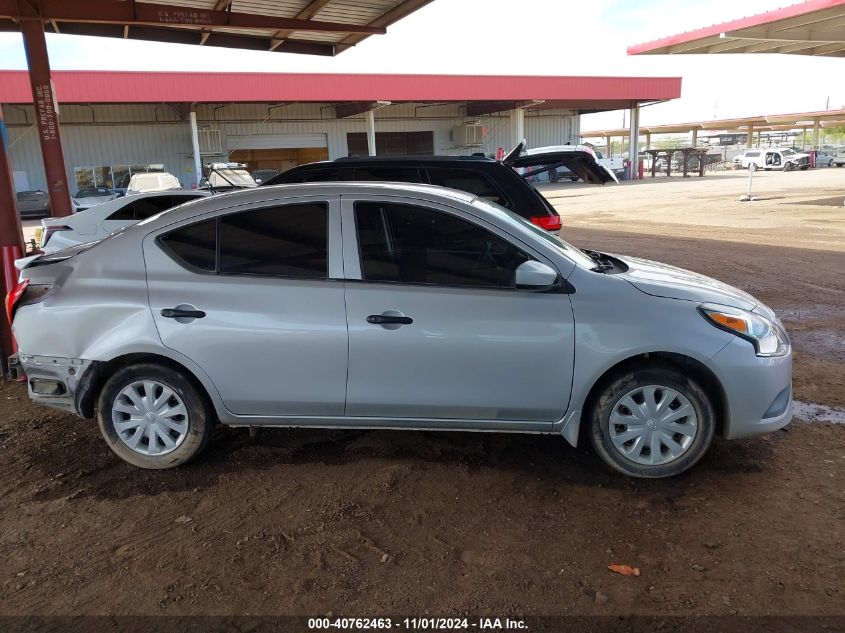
(531, 37)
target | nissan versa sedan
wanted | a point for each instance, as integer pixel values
(391, 306)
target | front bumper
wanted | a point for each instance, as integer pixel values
(43, 371)
(758, 390)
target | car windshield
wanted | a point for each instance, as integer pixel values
(93, 193)
(571, 252)
(30, 195)
(788, 152)
(230, 178)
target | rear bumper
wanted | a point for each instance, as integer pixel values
(758, 390)
(66, 373)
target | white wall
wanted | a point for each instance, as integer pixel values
(141, 134)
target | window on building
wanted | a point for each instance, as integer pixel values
(412, 244)
(392, 143)
(284, 241)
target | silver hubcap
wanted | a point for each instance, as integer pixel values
(149, 417)
(653, 425)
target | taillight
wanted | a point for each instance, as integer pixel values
(48, 233)
(548, 222)
(13, 297)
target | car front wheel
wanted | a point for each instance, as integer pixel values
(153, 417)
(652, 422)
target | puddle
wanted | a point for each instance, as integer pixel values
(809, 412)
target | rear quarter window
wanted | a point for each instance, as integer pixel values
(194, 246)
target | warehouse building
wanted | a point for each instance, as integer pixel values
(118, 123)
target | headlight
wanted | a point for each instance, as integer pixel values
(768, 337)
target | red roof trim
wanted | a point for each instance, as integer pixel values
(74, 86)
(760, 19)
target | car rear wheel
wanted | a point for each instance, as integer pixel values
(553, 175)
(652, 422)
(153, 417)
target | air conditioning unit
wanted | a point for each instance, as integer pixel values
(468, 135)
(209, 142)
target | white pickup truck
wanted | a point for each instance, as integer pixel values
(784, 158)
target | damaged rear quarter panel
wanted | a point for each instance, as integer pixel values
(98, 308)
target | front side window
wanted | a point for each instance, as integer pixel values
(285, 241)
(468, 180)
(412, 244)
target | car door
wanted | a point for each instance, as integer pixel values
(437, 330)
(254, 296)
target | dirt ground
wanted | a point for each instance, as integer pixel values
(367, 523)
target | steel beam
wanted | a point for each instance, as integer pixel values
(10, 223)
(195, 144)
(310, 10)
(371, 132)
(10, 235)
(46, 117)
(145, 13)
(634, 143)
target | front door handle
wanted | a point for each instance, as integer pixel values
(385, 319)
(176, 313)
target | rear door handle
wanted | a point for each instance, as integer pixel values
(176, 313)
(384, 319)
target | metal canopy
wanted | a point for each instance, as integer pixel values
(315, 27)
(825, 118)
(816, 27)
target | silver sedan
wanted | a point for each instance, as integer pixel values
(362, 305)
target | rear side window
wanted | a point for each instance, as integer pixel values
(147, 207)
(286, 241)
(304, 175)
(411, 244)
(752, 154)
(388, 174)
(194, 246)
(468, 180)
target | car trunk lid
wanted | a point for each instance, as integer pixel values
(579, 159)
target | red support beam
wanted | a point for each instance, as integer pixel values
(46, 117)
(148, 14)
(10, 236)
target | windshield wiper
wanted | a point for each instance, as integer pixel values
(602, 263)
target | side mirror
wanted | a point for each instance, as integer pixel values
(536, 276)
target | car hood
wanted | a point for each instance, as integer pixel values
(663, 280)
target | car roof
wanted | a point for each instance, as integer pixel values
(417, 158)
(221, 201)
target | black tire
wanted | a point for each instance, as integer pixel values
(573, 178)
(553, 175)
(200, 415)
(804, 167)
(787, 166)
(666, 376)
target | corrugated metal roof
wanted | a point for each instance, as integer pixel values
(322, 27)
(578, 93)
(815, 27)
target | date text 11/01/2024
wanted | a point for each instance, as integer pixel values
(417, 624)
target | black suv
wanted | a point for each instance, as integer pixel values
(490, 179)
